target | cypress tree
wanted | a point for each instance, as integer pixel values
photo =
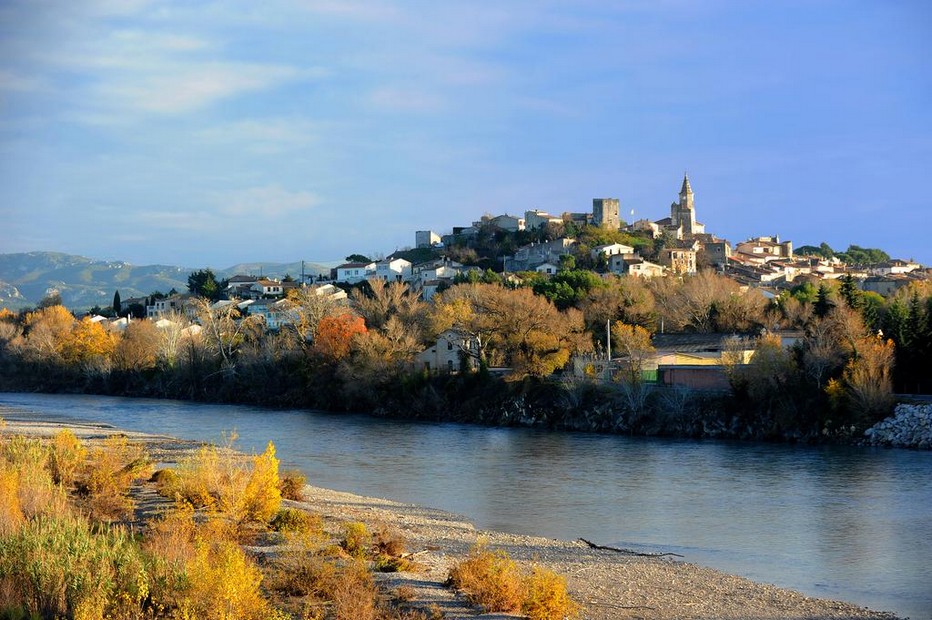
(116, 303)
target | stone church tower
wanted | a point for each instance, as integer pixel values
(683, 214)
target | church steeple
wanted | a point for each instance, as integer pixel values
(686, 189)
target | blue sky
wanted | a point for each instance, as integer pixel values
(207, 133)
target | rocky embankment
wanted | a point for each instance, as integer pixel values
(909, 427)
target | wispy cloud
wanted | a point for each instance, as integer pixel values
(262, 135)
(270, 201)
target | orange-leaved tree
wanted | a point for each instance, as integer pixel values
(335, 335)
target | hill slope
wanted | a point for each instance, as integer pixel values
(26, 278)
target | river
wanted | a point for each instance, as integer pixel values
(836, 522)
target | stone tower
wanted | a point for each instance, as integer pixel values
(684, 213)
(605, 213)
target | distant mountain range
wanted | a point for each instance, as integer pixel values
(84, 283)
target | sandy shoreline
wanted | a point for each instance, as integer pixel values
(608, 584)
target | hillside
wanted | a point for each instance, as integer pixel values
(83, 282)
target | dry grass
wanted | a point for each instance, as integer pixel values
(108, 475)
(66, 455)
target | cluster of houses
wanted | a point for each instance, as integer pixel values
(689, 360)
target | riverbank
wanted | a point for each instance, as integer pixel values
(608, 584)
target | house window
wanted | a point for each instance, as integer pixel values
(450, 365)
(449, 345)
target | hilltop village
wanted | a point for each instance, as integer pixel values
(578, 320)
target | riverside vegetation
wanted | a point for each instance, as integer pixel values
(856, 350)
(75, 543)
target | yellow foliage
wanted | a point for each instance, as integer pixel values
(223, 585)
(88, 342)
(66, 454)
(490, 579)
(262, 497)
(546, 597)
(11, 511)
(109, 475)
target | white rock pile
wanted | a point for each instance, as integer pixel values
(909, 427)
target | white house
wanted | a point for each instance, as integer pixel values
(426, 239)
(548, 268)
(634, 265)
(536, 218)
(265, 289)
(393, 270)
(611, 249)
(351, 273)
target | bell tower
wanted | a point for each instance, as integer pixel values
(683, 213)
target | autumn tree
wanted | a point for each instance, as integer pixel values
(335, 335)
(308, 305)
(88, 346)
(623, 299)
(44, 331)
(138, 348)
(378, 301)
(514, 327)
(691, 305)
(867, 380)
(633, 345)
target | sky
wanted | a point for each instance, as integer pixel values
(211, 133)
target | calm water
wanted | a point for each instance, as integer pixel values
(845, 523)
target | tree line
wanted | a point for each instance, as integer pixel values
(855, 350)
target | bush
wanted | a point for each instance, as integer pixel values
(11, 511)
(57, 567)
(295, 521)
(356, 539)
(223, 584)
(489, 579)
(292, 485)
(108, 475)
(66, 455)
(546, 597)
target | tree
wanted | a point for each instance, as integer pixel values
(138, 349)
(358, 258)
(224, 330)
(512, 327)
(308, 305)
(204, 284)
(89, 346)
(633, 345)
(116, 304)
(335, 335)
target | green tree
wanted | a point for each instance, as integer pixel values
(358, 258)
(116, 303)
(203, 283)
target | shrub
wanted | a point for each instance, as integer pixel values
(57, 567)
(167, 482)
(356, 539)
(111, 471)
(11, 511)
(37, 493)
(404, 594)
(262, 497)
(355, 597)
(292, 485)
(223, 584)
(300, 573)
(389, 542)
(546, 597)
(169, 542)
(489, 579)
(295, 521)
(66, 454)
(221, 480)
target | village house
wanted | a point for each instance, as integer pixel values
(351, 273)
(530, 256)
(634, 265)
(680, 261)
(537, 219)
(393, 270)
(174, 304)
(505, 222)
(547, 268)
(451, 353)
(610, 249)
(764, 249)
